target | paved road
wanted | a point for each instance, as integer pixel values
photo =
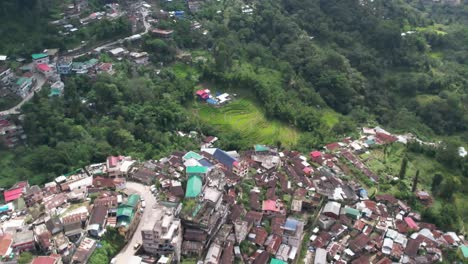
(40, 80)
(144, 192)
(119, 41)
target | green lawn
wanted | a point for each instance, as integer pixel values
(182, 70)
(243, 116)
(330, 118)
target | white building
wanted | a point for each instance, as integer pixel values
(162, 235)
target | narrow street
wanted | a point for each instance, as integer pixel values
(143, 191)
(40, 80)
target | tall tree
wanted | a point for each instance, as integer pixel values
(436, 181)
(404, 164)
(415, 181)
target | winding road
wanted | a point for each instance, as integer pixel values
(143, 191)
(41, 80)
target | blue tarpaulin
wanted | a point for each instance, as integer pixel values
(212, 101)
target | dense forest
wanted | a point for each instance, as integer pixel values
(400, 64)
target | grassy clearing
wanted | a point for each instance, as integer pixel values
(330, 118)
(243, 116)
(182, 70)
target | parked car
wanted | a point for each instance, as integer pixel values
(143, 204)
(136, 246)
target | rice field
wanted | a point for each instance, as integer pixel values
(243, 116)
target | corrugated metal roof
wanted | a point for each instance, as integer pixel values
(192, 155)
(224, 158)
(38, 56)
(133, 200)
(196, 169)
(194, 186)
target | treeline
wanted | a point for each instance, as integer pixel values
(129, 113)
(350, 55)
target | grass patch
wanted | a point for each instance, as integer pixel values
(243, 116)
(182, 71)
(330, 118)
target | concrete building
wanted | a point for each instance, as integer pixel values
(163, 235)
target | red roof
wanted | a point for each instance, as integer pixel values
(410, 222)
(332, 146)
(105, 66)
(315, 154)
(270, 205)
(5, 244)
(45, 259)
(386, 138)
(13, 194)
(113, 160)
(201, 92)
(43, 67)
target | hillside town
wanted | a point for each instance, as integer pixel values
(206, 205)
(215, 206)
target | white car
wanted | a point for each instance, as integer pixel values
(143, 204)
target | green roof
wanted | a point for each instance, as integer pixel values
(22, 80)
(194, 186)
(277, 261)
(92, 62)
(464, 250)
(196, 170)
(125, 211)
(261, 148)
(352, 211)
(55, 92)
(39, 56)
(133, 200)
(192, 155)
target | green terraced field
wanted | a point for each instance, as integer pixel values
(243, 116)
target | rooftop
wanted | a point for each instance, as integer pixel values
(37, 56)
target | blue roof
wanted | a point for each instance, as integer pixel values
(4, 208)
(291, 224)
(211, 101)
(363, 192)
(224, 158)
(205, 163)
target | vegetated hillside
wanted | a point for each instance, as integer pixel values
(365, 59)
(26, 27)
(324, 67)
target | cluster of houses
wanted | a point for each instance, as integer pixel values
(219, 99)
(67, 216)
(257, 206)
(264, 206)
(10, 133)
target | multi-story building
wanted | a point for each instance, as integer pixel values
(64, 65)
(162, 236)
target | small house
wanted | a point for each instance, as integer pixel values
(40, 58)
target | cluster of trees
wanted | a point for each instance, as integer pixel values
(352, 58)
(135, 115)
(111, 244)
